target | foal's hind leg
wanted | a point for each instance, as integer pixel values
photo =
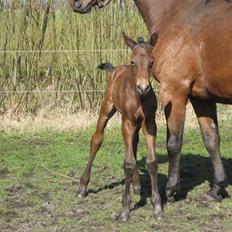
(149, 130)
(106, 112)
(207, 117)
(128, 131)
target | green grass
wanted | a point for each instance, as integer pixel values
(35, 195)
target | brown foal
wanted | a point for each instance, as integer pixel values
(130, 93)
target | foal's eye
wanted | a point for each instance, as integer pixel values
(151, 64)
(132, 63)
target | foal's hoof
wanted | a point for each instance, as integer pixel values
(171, 199)
(81, 193)
(124, 217)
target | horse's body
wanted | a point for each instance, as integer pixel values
(193, 60)
(129, 92)
(194, 46)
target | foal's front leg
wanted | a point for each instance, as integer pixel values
(149, 130)
(128, 131)
(106, 112)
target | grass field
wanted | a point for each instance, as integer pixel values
(39, 174)
(48, 62)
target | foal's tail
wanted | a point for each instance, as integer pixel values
(106, 66)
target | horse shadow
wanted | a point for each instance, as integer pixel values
(195, 170)
(105, 187)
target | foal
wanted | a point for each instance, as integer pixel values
(130, 93)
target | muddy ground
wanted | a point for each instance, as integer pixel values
(39, 176)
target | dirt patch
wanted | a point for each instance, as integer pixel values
(47, 207)
(30, 173)
(18, 203)
(77, 214)
(4, 172)
(29, 185)
(34, 200)
(215, 225)
(71, 173)
(14, 189)
(45, 196)
(7, 228)
(8, 213)
(17, 196)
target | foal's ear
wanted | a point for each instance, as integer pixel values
(128, 41)
(153, 39)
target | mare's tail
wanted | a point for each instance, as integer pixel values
(106, 66)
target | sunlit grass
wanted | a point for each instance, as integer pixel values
(54, 63)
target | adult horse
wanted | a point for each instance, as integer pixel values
(193, 60)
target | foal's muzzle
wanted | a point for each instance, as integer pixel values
(142, 90)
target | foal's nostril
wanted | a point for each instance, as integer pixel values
(143, 90)
(139, 89)
(146, 90)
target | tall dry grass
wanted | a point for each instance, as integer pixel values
(46, 72)
(57, 62)
(61, 120)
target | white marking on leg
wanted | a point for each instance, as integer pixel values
(213, 125)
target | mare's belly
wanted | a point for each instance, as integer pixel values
(219, 90)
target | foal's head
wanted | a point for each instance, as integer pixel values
(142, 61)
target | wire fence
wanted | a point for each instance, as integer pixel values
(64, 51)
(77, 96)
(53, 91)
(58, 51)
(49, 57)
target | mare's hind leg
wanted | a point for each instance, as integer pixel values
(106, 112)
(149, 130)
(207, 117)
(128, 131)
(136, 178)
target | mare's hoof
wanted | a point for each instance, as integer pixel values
(158, 211)
(137, 190)
(170, 195)
(81, 193)
(124, 217)
(212, 196)
(159, 216)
